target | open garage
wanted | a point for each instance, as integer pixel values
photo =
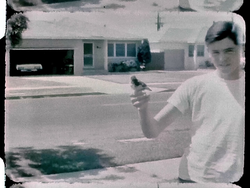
(41, 62)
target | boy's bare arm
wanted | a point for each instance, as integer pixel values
(152, 126)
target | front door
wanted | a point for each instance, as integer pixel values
(88, 55)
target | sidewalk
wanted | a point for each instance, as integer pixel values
(155, 174)
(53, 86)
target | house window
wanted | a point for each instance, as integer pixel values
(131, 50)
(191, 50)
(200, 50)
(110, 50)
(120, 50)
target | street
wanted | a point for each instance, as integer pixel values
(88, 131)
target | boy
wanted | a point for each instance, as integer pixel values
(216, 99)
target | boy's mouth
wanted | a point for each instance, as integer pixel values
(224, 65)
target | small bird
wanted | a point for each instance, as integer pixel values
(137, 83)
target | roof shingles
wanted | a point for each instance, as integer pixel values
(73, 29)
(188, 35)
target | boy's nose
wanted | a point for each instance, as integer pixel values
(222, 57)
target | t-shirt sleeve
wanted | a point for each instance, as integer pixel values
(181, 97)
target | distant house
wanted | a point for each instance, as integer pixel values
(67, 46)
(184, 48)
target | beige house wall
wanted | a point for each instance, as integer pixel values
(190, 63)
(100, 57)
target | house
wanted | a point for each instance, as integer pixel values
(68, 46)
(80, 42)
(184, 48)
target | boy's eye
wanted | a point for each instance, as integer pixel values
(215, 52)
(230, 50)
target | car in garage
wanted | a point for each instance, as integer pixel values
(28, 68)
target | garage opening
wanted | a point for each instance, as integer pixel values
(174, 59)
(41, 62)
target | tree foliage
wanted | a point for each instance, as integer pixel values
(29, 2)
(144, 54)
(15, 26)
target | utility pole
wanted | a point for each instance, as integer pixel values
(159, 24)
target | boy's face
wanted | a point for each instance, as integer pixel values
(226, 57)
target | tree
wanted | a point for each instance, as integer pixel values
(144, 54)
(15, 26)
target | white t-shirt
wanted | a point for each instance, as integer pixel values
(216, 152)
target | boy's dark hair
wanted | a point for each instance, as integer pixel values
(223, 29)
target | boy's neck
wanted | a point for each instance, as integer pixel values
(232, 76)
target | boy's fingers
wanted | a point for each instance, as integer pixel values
(137, 101)
(137, 93)
(139, 98)
(140, 104)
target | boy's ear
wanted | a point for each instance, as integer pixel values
(243, 50)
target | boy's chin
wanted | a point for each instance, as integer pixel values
(229, 71)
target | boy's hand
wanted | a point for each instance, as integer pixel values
(139, 98)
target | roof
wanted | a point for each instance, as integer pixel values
(179, 35)
(186, 35)
(67, 28)
(202, 34)
(177, 27)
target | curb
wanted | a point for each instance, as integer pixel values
(66, 95)
(52, 95)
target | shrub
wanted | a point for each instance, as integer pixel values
(111, 67)
(123, 66)
(56, 1)
(15, 26)
(144, 54)
(29, 2)
(130, 63)
(208, 64)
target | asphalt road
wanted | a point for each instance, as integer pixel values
(81, 129)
